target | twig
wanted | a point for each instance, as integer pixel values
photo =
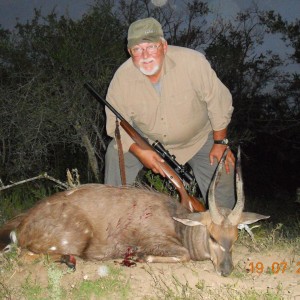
(45, 175)
(12, 275)
(73, 178)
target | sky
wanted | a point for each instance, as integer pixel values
(11, 10)
(23, 10)
(289, 9)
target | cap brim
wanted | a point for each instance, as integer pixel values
(145, 39)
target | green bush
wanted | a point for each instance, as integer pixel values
(20, 198)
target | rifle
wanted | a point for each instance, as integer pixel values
(188, 201)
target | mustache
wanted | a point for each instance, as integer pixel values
(147, 60)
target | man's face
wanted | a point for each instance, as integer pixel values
(149, 57)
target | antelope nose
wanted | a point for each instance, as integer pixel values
(226, 267)
(226, 273)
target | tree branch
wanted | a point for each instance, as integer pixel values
(45, 175)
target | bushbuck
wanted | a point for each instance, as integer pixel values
(98, 222)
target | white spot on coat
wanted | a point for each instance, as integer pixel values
(13, 237)
(150, 259)
(64, 242)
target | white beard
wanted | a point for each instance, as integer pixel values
(149, 72)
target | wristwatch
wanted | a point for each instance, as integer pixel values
(222, 142)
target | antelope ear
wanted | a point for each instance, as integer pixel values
(195, 219)
(250, 218)
(187, 222)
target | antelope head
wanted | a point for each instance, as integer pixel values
(221, 223)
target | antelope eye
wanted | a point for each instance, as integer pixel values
(213, 239)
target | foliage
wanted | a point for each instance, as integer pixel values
(156, 182)
(43, 104)
(290, 31)
(49, 122)
(163, 185)
(253, 72)
(21, 198)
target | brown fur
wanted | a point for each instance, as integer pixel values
(99, 222)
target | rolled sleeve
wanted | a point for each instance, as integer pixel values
(219, 106)
(216, 95)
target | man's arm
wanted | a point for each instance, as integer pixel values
(218, 149)
(219, 106)
(150, 159)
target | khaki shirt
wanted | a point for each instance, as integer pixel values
(192, 103)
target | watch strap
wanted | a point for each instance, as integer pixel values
(222, 142)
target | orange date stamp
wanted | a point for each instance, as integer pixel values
(276, 267)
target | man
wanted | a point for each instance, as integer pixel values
(172, 95)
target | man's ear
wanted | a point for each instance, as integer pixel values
(165, 46)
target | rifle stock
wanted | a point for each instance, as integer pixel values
(188, 201)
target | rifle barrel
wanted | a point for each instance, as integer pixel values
(91, 89)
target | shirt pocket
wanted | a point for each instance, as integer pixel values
(186, 106)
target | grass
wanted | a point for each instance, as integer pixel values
(116, 284)
(270, 236)
(54, 282)
(113, 286)
(19, 199)
(179, 290)
(31, 290)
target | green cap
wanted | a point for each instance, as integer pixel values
(143, 31)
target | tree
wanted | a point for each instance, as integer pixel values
(284, 106)
(184, 24)
(49, 121)
(50, 109)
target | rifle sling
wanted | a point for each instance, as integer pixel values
(120, 153)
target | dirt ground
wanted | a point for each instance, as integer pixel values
(263, 272)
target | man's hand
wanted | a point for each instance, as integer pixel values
(150, 159)
(217, 152)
